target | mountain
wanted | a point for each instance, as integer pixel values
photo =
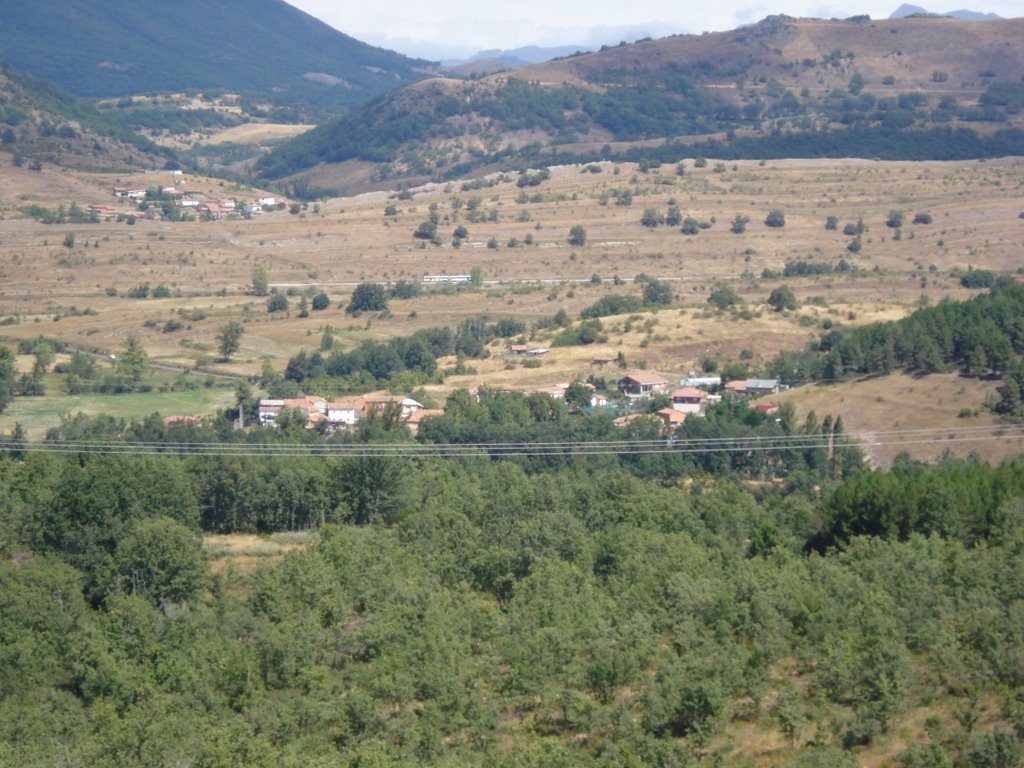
(529, 54)
(39, 122)
(495, 60)
(121, 47)
(782, 87)
(906, 10)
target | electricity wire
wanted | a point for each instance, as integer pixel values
(625, 445)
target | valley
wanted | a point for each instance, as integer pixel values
(656, 406)
(517, 239)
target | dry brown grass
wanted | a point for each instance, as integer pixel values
(343, 241)
(244, 552)
(902, 402)
(257, 133)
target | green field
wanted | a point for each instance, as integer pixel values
(38, 414)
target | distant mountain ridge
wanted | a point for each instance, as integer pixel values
(906, 10)
(121, 47)
(915, 88)
(529, 54)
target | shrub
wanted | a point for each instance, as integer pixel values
(782, 298)
(724, 297)
(368, 297)
(277, 302)
(775, 218)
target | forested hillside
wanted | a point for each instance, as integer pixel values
(40, 122)
(120, 48)
(557, 608)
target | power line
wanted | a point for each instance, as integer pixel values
(744, 444)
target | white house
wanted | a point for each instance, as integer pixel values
(689, 400)
(340, 415)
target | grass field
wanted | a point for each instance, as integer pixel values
(38, 414)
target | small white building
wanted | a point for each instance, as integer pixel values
(690, 400)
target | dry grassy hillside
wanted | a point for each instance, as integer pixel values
(802, 53)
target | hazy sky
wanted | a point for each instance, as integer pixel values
(459, 28)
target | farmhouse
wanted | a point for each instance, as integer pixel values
(689, 400)
(642, 385)
(134, 193)
(762, 386)
(269, 410)
(670, 417)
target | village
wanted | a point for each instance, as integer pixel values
(175, 201)
(695, 395)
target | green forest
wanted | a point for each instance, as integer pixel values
(458, 602)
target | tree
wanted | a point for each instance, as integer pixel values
(724, 297)
(259, 281)
(427, 230)
(652, 218)
(277, 302)
(578, 395)
(775, 218)
(133, 360)
(159, 559)
(321, 301)
(782, 298)
(657, 292)
(368, 297)
(229, 339)
(578, 236)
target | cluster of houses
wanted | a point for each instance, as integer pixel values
(189, 200)
(332, 416)
(691, 399)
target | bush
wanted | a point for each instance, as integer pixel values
(657, 292)
(782, 298)
(723, 297)
(775, 218)
(613, 304)
(368, 297)
(578, 236)
(277, 302)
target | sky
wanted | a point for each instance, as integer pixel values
(454, 29)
